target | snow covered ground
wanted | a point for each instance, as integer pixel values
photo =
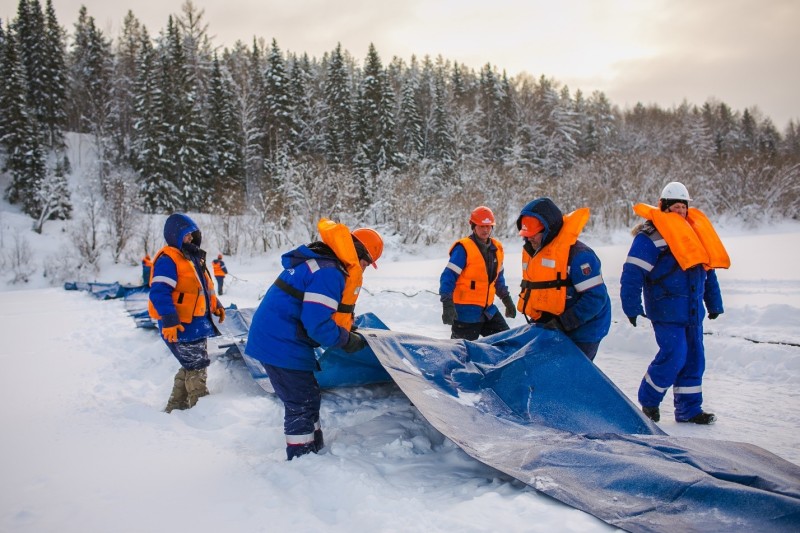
(85, 446)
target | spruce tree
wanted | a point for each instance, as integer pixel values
(374, 125)
(224, 141)
(185, 142)
(123, 88)
(279, 125)
(158, 191)
(54, 99)
(339, 141)
(410, 126)
(24, 158)
(442, 144)
(91, 83)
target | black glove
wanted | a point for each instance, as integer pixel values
(553, 323)
(355, 342)
(511, 309)
(632, 320)
(448, 312)
(713, 316)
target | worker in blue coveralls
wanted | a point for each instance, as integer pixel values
(471, 280)
(673, 300)
(310, 304)
(182, 300)
(562, 282)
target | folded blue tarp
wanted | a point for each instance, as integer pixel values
(136, 305)
(529, 403)
(103, 291)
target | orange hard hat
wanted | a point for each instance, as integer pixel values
(530, 226)
(372, 241)
(482, 216)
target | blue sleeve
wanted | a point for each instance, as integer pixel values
(321, 299)
(712, 295)
(447, 281)
(590, 290)
(641, 260)
(165, 279)
(224, 268)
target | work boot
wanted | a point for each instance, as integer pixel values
(704, 419)
(652, 413)
(196, 385)
(179, 399)
(296, 450)
(319, 441)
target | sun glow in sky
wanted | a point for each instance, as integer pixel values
(742, 52)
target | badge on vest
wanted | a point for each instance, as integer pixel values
(586, 269)
(549, 263)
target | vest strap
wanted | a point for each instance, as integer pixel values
(552, 284)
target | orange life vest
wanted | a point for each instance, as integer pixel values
(338, 237)
(473, 286)
(692, 240)
(544, 275)
(218, 272)
(188, 295)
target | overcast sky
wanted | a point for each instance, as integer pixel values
(743, 52)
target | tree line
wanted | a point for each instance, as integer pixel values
(268, 141)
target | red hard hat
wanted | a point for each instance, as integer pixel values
(482, 216)
(530, 226)
(372, 241)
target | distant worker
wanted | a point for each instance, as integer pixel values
(471, 280)
(311, 304)
(147, 267)
(220, 270)
(182, 300)
(672, 260)
(562, 283)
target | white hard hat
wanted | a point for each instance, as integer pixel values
(675, 190)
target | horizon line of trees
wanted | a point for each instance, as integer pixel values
(281, 139)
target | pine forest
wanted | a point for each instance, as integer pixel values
(265, 141)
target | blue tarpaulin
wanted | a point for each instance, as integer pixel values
(337, 369)
(529, 403)
(103, 291)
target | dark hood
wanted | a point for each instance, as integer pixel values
(548, 214)
(177, 226)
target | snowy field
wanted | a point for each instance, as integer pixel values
(86, 447)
